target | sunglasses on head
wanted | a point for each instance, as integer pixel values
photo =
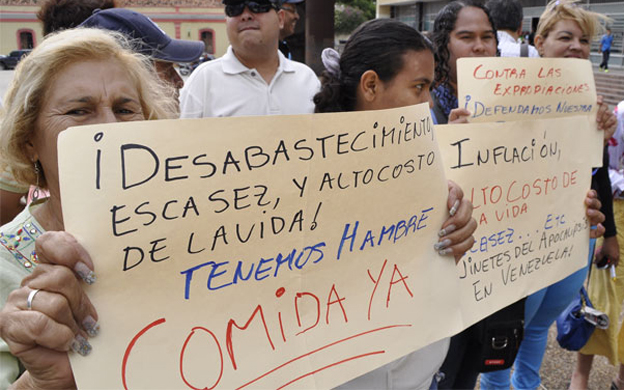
(233, 10)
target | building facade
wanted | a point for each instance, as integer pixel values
(421, 14)
(182, 19)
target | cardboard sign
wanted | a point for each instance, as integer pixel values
(510, 89)
(258, 252)
(527, 181)
(297, 251)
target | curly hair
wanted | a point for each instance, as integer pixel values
(56, 15)
(35, 73)
(443, 25)
(377, 45)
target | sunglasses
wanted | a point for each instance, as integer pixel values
(232, 10)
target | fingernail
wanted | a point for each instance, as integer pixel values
(85, 273)
(445, 252)
(91, 326)
(454, 208)
(442, 244)
(81, 346)
(447, 230)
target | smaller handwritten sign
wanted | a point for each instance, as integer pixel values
(527, 181)
(497, 89)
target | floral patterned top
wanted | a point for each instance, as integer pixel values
(17, 260)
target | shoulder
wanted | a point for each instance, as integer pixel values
(533, 52)
(438, 110)
(298, 67)
(17, 242)
(201, 77)
(301, 72)
(8, 183)
(208, 69)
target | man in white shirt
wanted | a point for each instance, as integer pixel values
(291, 17)
(507, 17)
(253, 77)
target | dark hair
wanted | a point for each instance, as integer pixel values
(506, 14)
(63, 14)
(377, 45)
(442, 26)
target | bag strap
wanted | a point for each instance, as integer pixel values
(524, 50)
(592, 247)
(584, 296)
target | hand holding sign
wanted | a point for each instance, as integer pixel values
(511, 89)
(267, 254)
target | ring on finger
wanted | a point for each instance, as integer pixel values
(30, 299)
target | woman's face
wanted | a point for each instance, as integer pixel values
(473, 36)
(83, 93)
(410, 85)
(565, 40)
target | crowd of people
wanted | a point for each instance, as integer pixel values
(106, 64)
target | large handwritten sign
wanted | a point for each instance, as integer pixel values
(298, 251)
(527, 181)
(260, 252)
(508, 89)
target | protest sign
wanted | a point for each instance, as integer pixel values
(272, 252)
(259, 252)
(509, 89)
(527, 181)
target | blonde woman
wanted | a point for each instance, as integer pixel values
(76, 77)
(564, 31)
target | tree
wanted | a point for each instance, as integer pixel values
(366, 6)
(347, 18)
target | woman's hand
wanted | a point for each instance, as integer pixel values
(610, 249)
(51, 314)
(606, 119)
(456, 234)
(458, 115)
(594, 215)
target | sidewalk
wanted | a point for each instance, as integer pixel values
(559, 364)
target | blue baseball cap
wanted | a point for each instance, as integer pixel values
(151, 40)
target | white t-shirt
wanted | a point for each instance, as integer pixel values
(225, 87)
(509, 47)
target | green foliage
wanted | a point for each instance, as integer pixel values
(347, 18)
(367, 6)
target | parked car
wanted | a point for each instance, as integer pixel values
(10, 61)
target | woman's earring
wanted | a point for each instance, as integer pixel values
(35, 193)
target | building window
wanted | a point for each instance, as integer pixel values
(25, 39)
(207, 36)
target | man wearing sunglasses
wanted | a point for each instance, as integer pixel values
(253, 77)
(291, 17)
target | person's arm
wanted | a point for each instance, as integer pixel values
(602, 183)
(606, 119)
(61, 316)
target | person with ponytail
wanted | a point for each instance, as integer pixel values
(387, 64)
